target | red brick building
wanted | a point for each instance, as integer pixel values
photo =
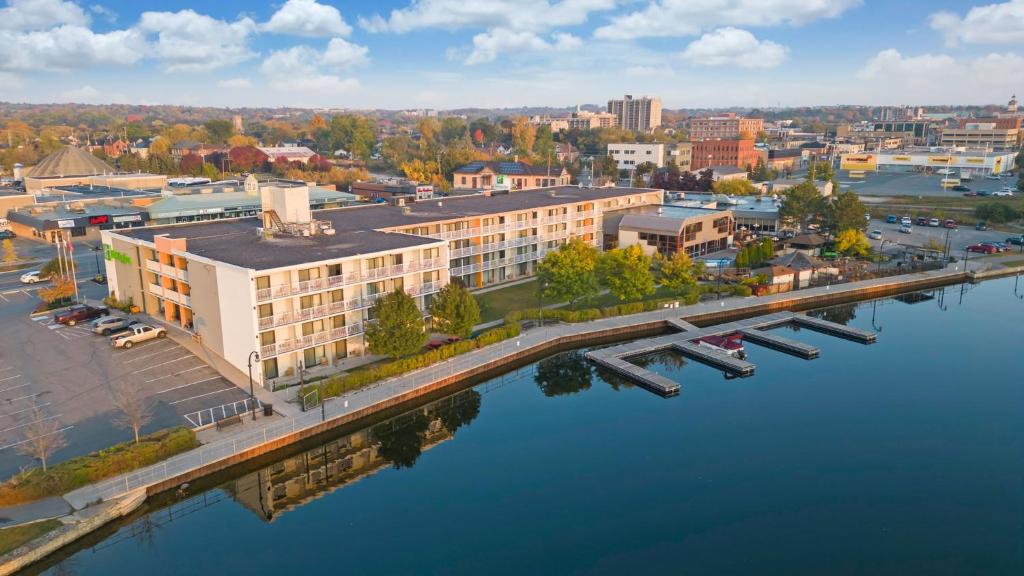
(738, 153)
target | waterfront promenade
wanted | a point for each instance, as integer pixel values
(254, 438)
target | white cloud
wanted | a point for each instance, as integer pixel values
(939, 78)
(69, 47)
(89, 95)
(992, 24)
(235, 83)
(521, 15)
(188, 41)
(690, 17)
(648, 71)
(734, 47)
(23, 15)
(101, 10)
(298, 69)
(307, 18)
(344, 55)
(488, 45)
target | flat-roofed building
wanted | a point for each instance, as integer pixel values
(738, 153)
(629, 155)
(726, 127)
(669, 229)
(981, 136)
(637, 114)
(296, 285)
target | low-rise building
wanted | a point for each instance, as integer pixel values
(927, 160)
(86, 222)
(296, 286)
(70, 166)
(669, 229)
(981, 136)
(726, 127)
(680, 154)
(508, 176)
(629, 155)
(738, 153)
(287, 153)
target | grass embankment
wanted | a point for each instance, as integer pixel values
(11, 538)
(66, 476)
(494, 305)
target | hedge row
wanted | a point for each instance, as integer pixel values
(66, 476)
(362, 377)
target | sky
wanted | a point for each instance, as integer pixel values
(443, 54)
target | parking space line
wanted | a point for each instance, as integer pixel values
(200, 367)
(161, 351)
(204, 395)
(44, 404)
(22, 425)
(15, 387)
(187, 385)
(4, 298)
(162, 363)
(10, 378)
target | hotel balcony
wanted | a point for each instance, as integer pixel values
(315, 339)
(332, 282)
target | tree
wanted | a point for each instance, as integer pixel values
(845, 212)
(569, 273)
(191, 164)
(762, 173)
(237, 140)
(398, 330)
(218, 130)
(454, 310)
(159, 147)
(247, 158)
(851, 242)
(61, 288)
(10, 254)
(523, 136)
(678, 273)
(734, 187)
(43, 437)
(801, 202)
(136, 411)
(463, 409)
(820, 171)
(627, 273)
(544, 145)
(996, 212)
(354, 134)
(706, 180)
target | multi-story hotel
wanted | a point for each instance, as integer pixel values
(728, 127)
(296, 286)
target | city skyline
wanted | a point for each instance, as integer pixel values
(503, 53)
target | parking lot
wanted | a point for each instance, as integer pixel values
(73, 375)
(960, 237)
(914, 184)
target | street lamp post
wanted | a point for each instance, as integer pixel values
(96, 255)
(252, 392)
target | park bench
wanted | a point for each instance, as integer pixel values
(229, 421)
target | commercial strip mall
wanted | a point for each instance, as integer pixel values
(296, 285)
(973, 162)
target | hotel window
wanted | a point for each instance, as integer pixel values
(262, 282)
(310, 301)
(337, 295)
(266, 310)
(267, 338)
(375, 263)
(432, 253)
(270, 368)
(338, 321)
(309, 328)
(334, 269)
(396, 259)
(313, 356)
(373, 288)
(309, 274)
(340, 350)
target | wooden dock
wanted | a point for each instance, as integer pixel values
(833, 329)
(753, 329)
(651, 380)
(780, 343)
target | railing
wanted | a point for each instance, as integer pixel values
(425, 288)
(153, 266)
(156, 290)
(306, 314)
(318, 284)
(315, 339)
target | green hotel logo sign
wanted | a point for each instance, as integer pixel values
(110, 254)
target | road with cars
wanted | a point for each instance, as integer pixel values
(960, 237)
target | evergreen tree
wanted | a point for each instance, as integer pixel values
(454, 310)
(398, 329)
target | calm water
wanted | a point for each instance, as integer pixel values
(904, 457)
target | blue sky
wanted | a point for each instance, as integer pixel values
(508, 53)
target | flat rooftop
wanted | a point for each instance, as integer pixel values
(357, 228)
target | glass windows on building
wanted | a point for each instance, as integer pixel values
(340, 349)
(334, 270)
(309, 301)
(270, 368)
(262, 282)
(314, 356)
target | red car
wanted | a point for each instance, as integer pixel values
(80, 313)
(949, 224)
(983, 248)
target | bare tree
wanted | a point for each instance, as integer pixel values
(136, 410)
(43, 437)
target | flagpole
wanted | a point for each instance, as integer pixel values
(71, 266)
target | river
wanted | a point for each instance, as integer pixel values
(902, 457)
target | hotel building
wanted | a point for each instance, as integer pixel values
(297, 286)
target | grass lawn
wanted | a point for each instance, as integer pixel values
(494, 305)
(11, 538)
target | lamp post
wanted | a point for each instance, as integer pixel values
(252, 394)
(96, 255)
(540, 303)
(881, 254)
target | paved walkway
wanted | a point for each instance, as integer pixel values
(53, 507)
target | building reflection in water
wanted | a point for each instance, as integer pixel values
(396, 442)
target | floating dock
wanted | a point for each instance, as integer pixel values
(780, 343)
(753, 329)
(831, 328)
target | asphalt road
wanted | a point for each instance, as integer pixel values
(960, 237)
(72, 374)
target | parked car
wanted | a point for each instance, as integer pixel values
(982, 248)
(7, 234)
(891, 219)
(875, 234)
(970, 193)
(107, 325)
(935, 223)
(999, 245)
(33, 276)
(1004, 192)
(922, 221)
(982, 226)
(906, 229)
(984, 193)
(867, 217)
(80, 313)
(906, 221)
(949, 224)
(136, 334)
(961, 188)
(992, 177)
(1016, 240)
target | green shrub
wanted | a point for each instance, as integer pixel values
(66, 476)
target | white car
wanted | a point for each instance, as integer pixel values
(875, 234)
(33, 277)
(992, 177)
(906, 229)
(905, 221)
(1004, 192)
(934, 223)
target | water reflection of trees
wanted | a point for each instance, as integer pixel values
(842, 314)
(667, 358)
(563, 374)
(401, 440)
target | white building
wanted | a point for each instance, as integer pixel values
(630, 155)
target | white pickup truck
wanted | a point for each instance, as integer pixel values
(136, 334)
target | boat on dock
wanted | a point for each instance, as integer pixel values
(731, 344)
